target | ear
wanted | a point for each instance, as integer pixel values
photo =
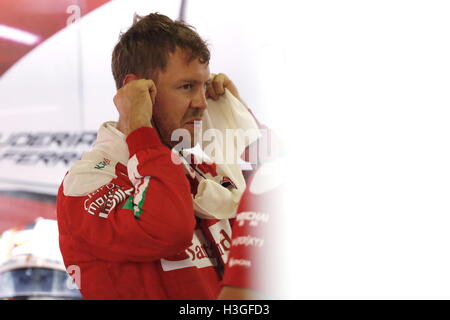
(129, 77)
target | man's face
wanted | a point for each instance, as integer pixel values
(180, 98)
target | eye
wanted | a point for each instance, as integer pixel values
(186, 86)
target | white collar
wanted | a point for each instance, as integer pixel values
(111, 141)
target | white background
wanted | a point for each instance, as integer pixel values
(367, 123)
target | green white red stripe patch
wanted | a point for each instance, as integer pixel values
(141, 184)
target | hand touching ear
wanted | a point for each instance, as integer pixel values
(217, 87)
(134, 102)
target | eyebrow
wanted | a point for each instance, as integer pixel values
(193, 81)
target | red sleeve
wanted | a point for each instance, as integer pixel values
(144, 215)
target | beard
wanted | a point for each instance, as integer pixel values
(186, 135)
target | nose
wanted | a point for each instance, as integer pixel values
(199, 100)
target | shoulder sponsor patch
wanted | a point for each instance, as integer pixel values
(102, 201)
(102, 164)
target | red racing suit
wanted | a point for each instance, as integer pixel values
(253, 259)
(126, 223)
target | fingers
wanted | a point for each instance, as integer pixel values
(145, 84)
(152, 90)
(219, 83)
(134, 102)
(210, 93)
(145, 87)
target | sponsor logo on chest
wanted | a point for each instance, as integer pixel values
(201, 253)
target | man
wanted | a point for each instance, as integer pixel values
(125, 210)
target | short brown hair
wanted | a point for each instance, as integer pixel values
(143, 50)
